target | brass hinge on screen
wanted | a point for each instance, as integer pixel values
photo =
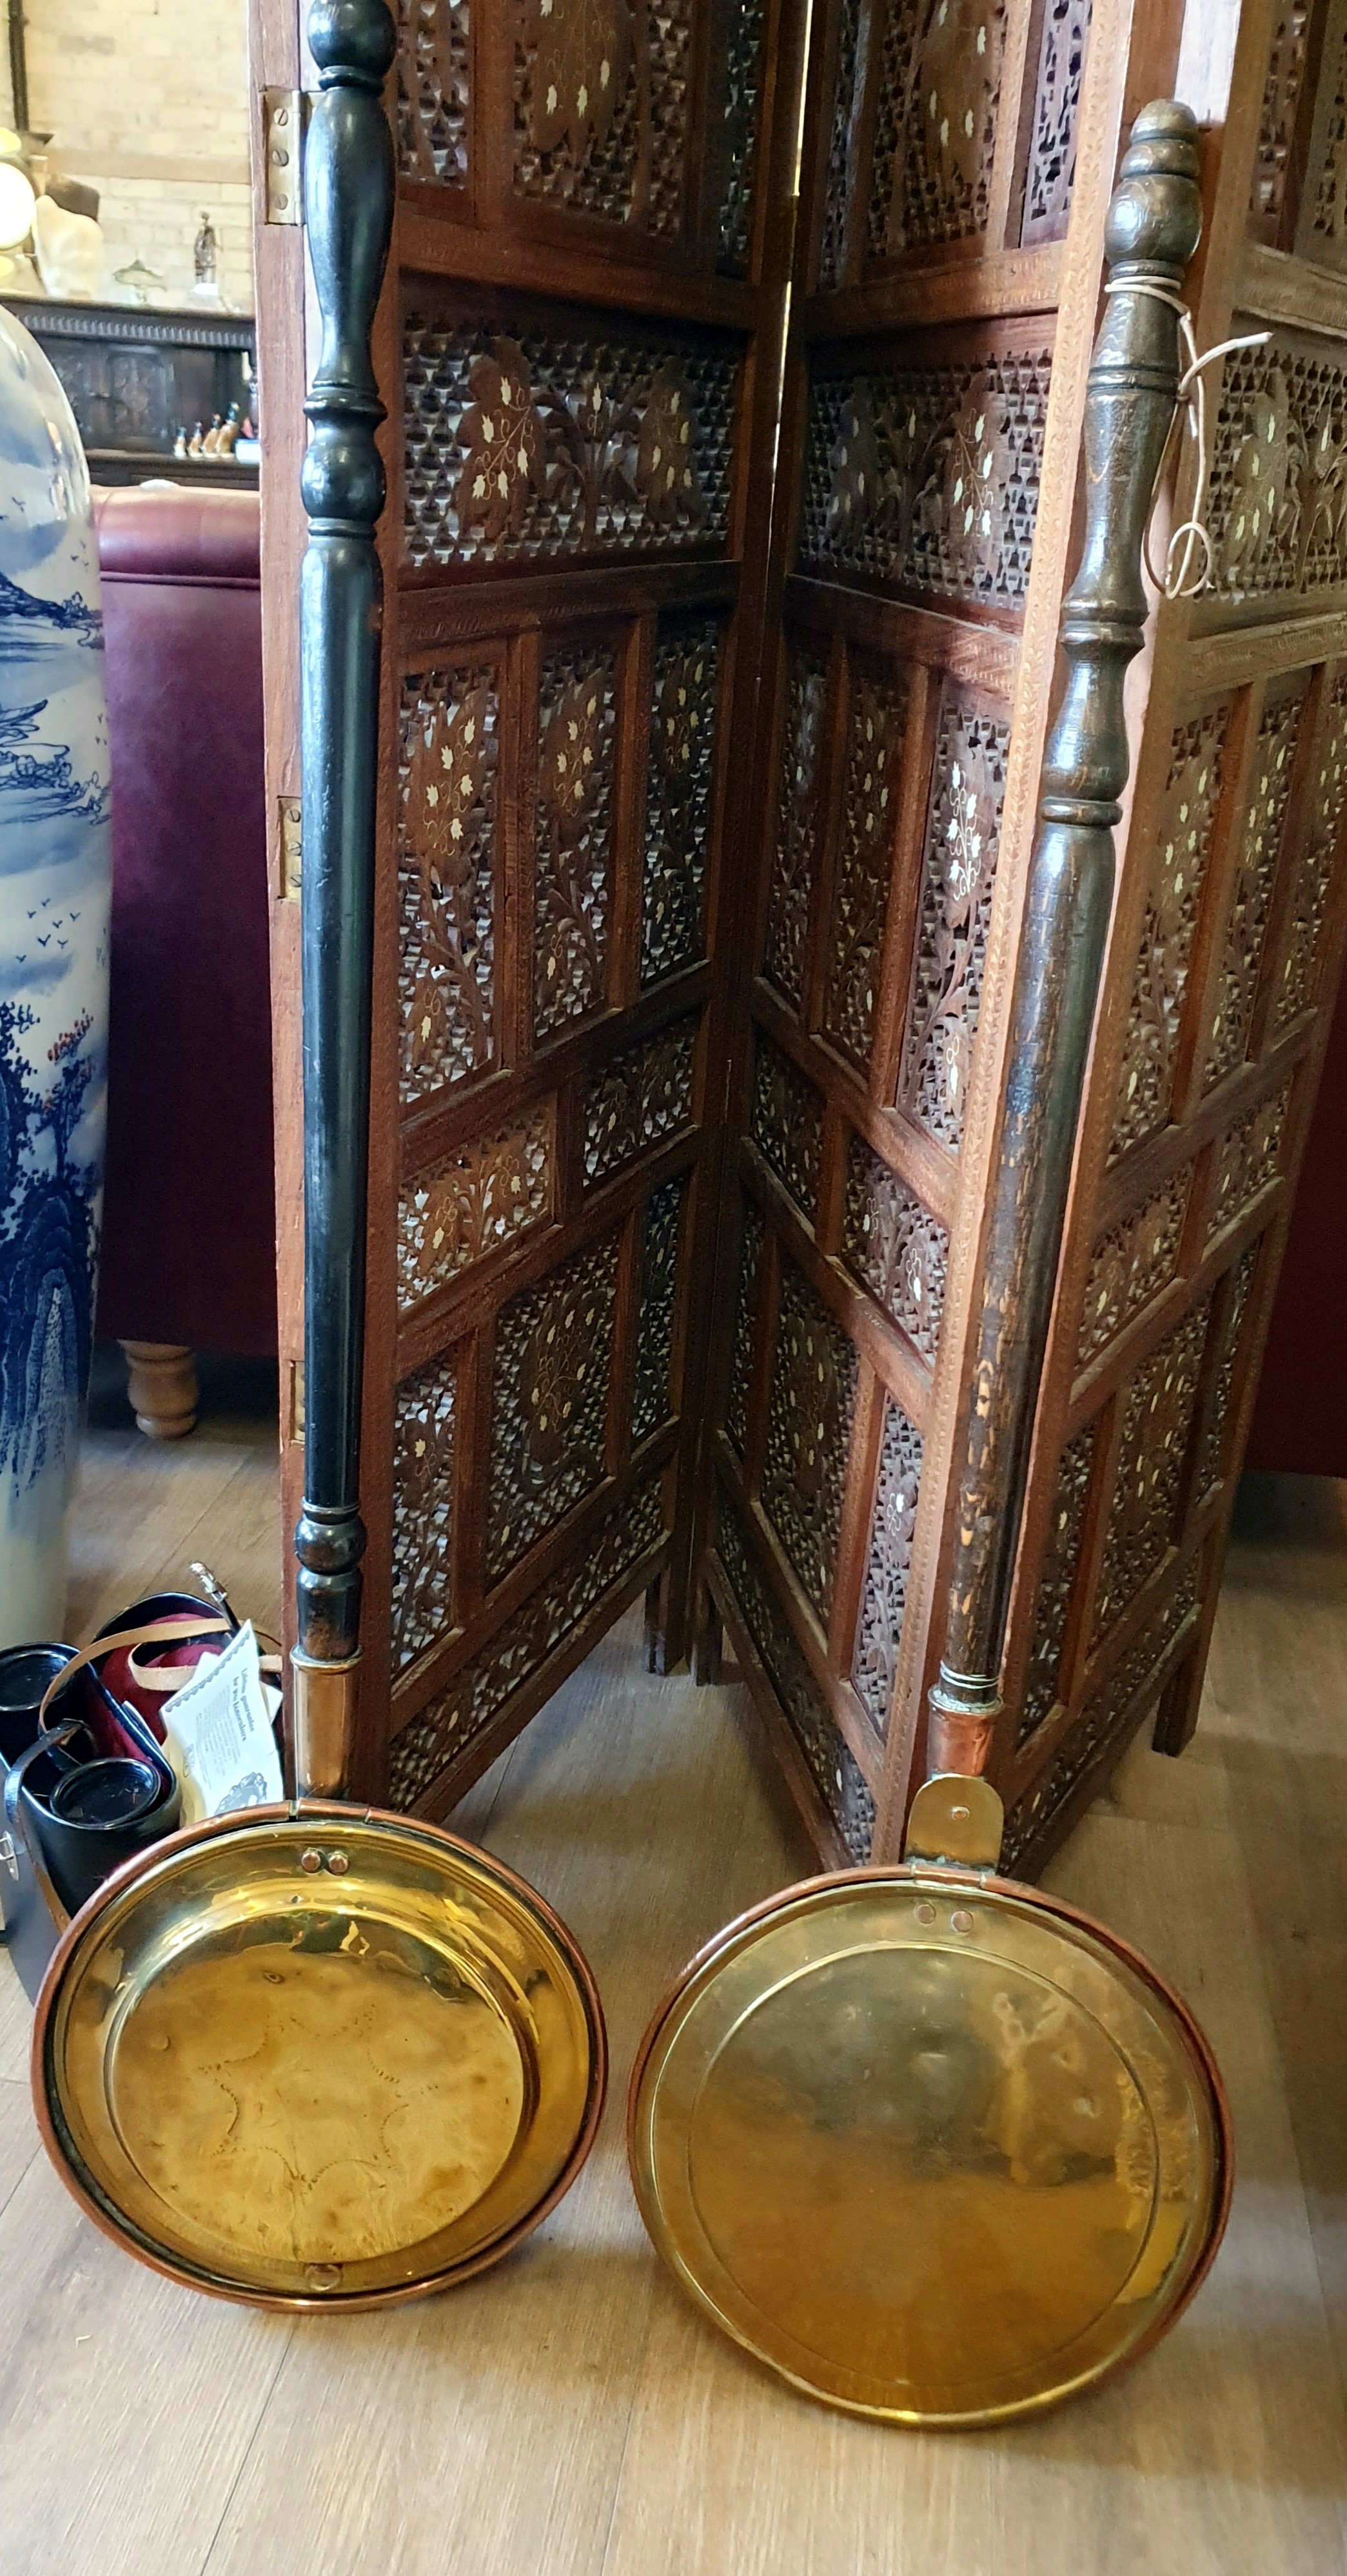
(285, 114)
(291, 848)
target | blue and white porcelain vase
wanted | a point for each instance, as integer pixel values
(55, 896)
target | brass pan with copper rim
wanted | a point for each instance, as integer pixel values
(323, 2057)
(321, 2054)
(932, 2145)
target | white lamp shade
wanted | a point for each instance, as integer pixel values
(16, 206)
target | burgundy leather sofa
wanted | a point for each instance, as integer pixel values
(188, 1258)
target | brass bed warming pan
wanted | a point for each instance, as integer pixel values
(932, 2145)
(321, 2056)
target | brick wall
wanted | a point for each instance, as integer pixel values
(148, 101)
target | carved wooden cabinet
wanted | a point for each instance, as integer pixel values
(723, 563)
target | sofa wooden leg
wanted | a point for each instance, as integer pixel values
(162, 1387)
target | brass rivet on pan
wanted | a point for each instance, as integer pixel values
(925, 1913)
(323, 2276)
(309, 1861)
(962, 1921)
(338, 1863)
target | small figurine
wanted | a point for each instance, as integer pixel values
(205, 257)
(224, 445)
(180, 443)
(194, 442)
(210, 443)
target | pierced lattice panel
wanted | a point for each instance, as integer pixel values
(860, 899)
(1277, 123)
(928, 475)
(1106, 1721)
(740, 117)
(1295, 989)
(1324, 235)
(1164, 950)
(1057, 1583)
(652, 1394)
(895, 1247)
(679, 784)
(832, 1765)
(573, 863)
(444, 1729)
(1134, 1261)
(794, 854)
(1157, 1420)
(573, 443)
(434, 95)
(751, 1240)
(958, 874)
(1211, 1463)
(1274, 506)
(473, 1203)
(1249, 1158)
(813, 1393)
(1051, 173)
(786, 1122)
(449, 750)
(936, 110)
(642, 1096)
(549, 1399)
(1257, 855)
(423, 1506)
(879, 1626)
(602, 106)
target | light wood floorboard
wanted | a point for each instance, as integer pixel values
(568, 2414)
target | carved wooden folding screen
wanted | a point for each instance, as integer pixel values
(614, 907)
(579, 348)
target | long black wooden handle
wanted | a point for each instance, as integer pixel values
(1153, 226)
(348, 197)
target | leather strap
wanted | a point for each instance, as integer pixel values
(156, 1632)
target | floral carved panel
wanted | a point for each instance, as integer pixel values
(1277, 497)
(860, 896)
(520, 449)
(433, 90)
(1277, 124)
(1134, 1261)
(795, 851)
(813, 1393)
(1248, 1159)
(895, 1247)
(641, 1096)
(786, 1122)
(743, 1332)
(831, 1764)
(1157, 1421)
(1296, 982)
(954, 913)
(1103, 1726)
(440, 1732)
(602, 100)
(1052, 150)
(742, 58)
(680, 779)
(927, 476)
(549, 1399)
(935, 122)
(879, 1627)
(1057, 1582)
(447, 782)
(473, 1203)
(1321, 234)
(652, 1395)
(1250, 894)
(1164, 951)
(572, 895)
(1211, 1464)
(423, 1507)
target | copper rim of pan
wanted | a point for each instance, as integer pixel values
(319, 1817)
(922, 1879)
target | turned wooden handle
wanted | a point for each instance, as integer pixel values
(348, 197)
(1153, 225)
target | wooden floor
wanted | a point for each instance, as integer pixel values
(568, 2413)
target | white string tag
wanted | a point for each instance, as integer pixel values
(1179, 580)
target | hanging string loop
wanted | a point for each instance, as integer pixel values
(1189, 562)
